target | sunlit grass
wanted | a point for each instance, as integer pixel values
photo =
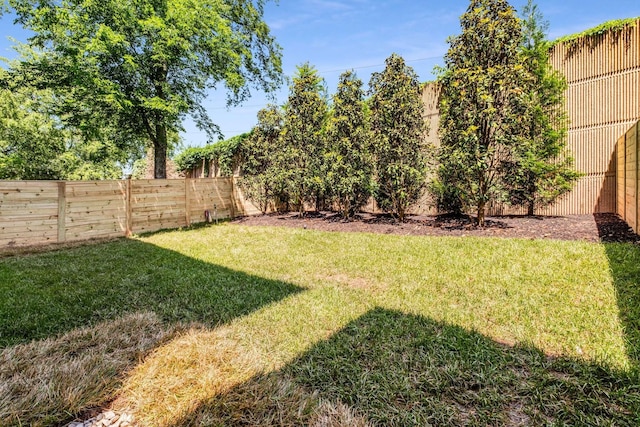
(282, 326)
(556, 295)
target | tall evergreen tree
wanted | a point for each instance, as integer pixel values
(263, 162)
(399, 128)
(482, 83)
(541, 170)
(349, 161)
(303, 138)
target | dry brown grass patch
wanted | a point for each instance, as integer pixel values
(190, 369)
(45, 382)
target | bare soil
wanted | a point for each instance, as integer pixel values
(593, 228)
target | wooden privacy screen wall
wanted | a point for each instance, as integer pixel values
(36, 212)
(602, 101)
(627, 176)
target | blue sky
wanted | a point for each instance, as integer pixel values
(337, 35)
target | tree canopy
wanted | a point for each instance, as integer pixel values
(310, 152)
(142, 67)
(303, 141)
(399, 129)
(503, 124)
(349, 159)
(263, 168)
(541, 169)
(34, 145)
(482, 83)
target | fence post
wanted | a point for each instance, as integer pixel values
(232, 208)
(635, 147)
(621, 191)
(187, 201)
(624, 144)
(62, 210)
(129, 230)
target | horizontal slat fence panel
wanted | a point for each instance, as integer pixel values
(215, 195)
(95, 209)
(28, 212)
(157, 204)
(37, 212)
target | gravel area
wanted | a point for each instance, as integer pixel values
(107, 418)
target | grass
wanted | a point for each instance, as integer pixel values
(233, 325)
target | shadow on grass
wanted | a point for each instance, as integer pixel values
(48, 294)
(194, 226)
(393, 369)
(73, 322)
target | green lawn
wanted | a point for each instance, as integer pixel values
(234, 325)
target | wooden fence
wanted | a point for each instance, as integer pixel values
(603, 72)
(627, 178)
(36, 212)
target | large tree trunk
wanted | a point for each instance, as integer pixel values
(160, 141)
(481, 207)
(401, 212)
(532, 201)
(160, 153)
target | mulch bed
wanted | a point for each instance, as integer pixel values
(593, 228)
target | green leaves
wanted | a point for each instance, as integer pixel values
(541, 169)
(398, 130)
(145, 66)
(480, 108)
(223, 156)
(303, 139)
(263, 173)
(33, 145)
(306, 154)
(349, 159)
(503, 126)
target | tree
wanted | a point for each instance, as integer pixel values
(34, 145)
(399, 129)
(139, 169)
(541, 170)
(303, 138)
(30, 143)
(262, 162)
(482, 86)
(145, 65)
(349, 161)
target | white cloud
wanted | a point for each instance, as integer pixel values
(331, 5)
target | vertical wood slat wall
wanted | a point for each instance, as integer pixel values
(37, 212)
(602, 101)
